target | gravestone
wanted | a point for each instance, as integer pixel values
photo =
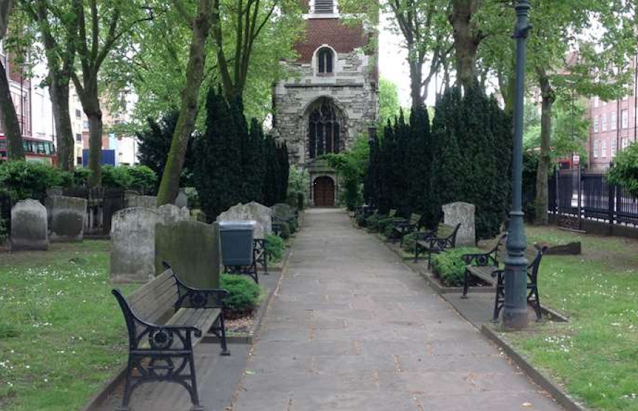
(461, 213)
(171, 213)
(133, 244)
(29, 227)
(181, 200)
(144, 201)
(192, 249)
(283, 211)
(261, 214)
(67, 218)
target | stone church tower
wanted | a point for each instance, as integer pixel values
(332, 98)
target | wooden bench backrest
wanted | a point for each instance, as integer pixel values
(415, 218)
(532, 256)
(392, 213)
(155, 299)
(445, 230)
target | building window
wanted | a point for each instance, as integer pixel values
(625, 143)
(78, 138)
(595, 148)
(596, 102)
(78, 113)
(324, 61)
(324, 130)
(78, 161)
(614, 120)
(324, 6)
(596, 124)
(603, 149)
(604, 122)
(625, 119)
(614, 147)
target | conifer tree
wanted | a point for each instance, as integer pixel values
(419, 158)
(253, 163)
(272, 173)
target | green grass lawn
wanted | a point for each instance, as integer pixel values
(595, 355)
(62, 334)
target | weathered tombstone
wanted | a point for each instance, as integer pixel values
(282, 211)
(133, 244)
(144, 202)
(253, 211)
(29, 227)
(130, 198)
(67, 218)
(461, 213)
(55, 191)
(181, 200)
(192, 249)
(172, 214)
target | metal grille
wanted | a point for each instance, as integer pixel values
(324, 6)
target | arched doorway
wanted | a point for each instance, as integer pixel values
(324, 192)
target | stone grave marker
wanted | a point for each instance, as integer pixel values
(192, 249)
(251, 212)
(67, 218)
(29, 227)
(462, 213)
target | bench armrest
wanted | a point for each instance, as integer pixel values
(165, 338)
(480, 259)
(200, 298)
(425, 235)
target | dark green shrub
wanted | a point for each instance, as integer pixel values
(4, 231)
(284, 232)
(193, 198)
(361, 220)
(385, 224)
(116, 177)
(373, 221)
(81, 176)
(22, 180)
(409, 242)
(294, 225)
(142, 179)
(450, 267)
(243, 295)
(275, 247)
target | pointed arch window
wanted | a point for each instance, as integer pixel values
(324, 130)
(325, 58)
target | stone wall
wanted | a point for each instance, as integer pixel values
(352, 88)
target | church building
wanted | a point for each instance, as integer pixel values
(332, 98)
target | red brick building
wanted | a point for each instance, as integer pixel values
(613, 127)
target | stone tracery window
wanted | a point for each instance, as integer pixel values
(325, 61)
(324, 130)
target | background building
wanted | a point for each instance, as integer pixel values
(332, 98)
(613, 127)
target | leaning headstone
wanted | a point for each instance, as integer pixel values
(251, 212)
(143, 201)
(55, 191)
(67, 218)
(181, 200)
(133, 244)
(282, 211)
(192, 249)
(29, 227)
(172, 214)
(461, 213)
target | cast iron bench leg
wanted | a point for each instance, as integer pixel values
(466, 284)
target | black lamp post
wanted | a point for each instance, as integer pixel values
(515, 310)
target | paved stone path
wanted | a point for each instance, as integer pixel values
(352, 328)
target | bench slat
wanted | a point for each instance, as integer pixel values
(484, 273)
(143, 292)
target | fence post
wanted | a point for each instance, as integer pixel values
(612, 203)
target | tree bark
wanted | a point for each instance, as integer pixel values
(59, 91)
(12, 131)
(416, 81)
(467, 38)
(548, 97)
(94, 114)
(169, 185)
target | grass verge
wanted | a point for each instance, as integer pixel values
(62, 334)
(595, 355)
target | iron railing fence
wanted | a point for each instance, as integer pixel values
(592, 197)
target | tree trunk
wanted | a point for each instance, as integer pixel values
(169, 185)
(548, 96)
(12, 131)
(95, 144)
(467, 38)
(59, 90)
(415, 84)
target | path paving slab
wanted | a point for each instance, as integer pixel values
(353, 328)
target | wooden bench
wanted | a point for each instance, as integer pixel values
(165, 319)
(404, 227)
(435, 241)
(489, 267)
